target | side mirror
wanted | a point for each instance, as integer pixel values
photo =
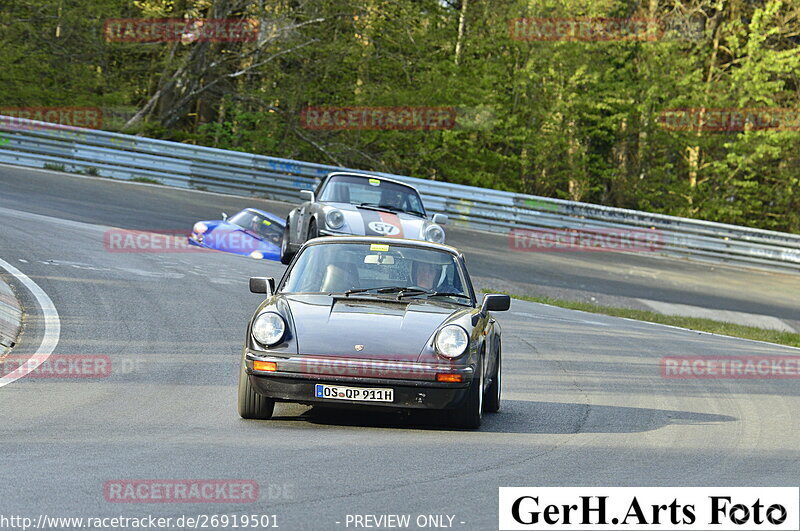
(496, 303)
(307, 195)
(224, 216)
(265, 285)
(440, 219)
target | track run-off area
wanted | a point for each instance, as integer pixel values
(585, 402)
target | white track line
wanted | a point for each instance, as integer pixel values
(52, 326)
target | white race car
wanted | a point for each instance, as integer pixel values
(361, 205)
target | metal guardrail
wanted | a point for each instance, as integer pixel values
(38, 144)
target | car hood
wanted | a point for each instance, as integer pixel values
(387, 330)
(372, 222)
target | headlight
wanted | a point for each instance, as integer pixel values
(334, 219)
(200, 227)
(268, 328)
(258, 255)
(451, 341)
(434, 233)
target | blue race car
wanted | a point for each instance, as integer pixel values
(251, 232)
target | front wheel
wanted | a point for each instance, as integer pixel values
(251, 404)
(492, 403)
(469, 415)
(286, 255)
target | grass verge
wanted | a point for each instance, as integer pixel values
(694, 323)
(147, 180)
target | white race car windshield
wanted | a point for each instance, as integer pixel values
(372, 192)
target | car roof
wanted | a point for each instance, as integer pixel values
(371, 176)
(269, 215)
(390, 241)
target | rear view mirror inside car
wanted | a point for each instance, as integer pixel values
(382, 259)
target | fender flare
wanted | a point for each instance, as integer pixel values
(316, 215)
(291, 224)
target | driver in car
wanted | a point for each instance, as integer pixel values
(393, 198)
(260, 226)
(425, 274)
(432, 277)
(255, 225)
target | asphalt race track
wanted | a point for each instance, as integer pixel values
(584, 400)
(612, 278)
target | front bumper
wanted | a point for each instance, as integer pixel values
(414, 384)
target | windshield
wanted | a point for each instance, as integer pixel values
(380, 269)
(259, 225)
(372, 192)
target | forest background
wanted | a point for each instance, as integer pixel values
(612, 118)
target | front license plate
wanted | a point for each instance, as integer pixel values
(337, 392)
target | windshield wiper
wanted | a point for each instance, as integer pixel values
(406, 292)
(400, 290)
(384, 289)
(436, 294)
(390, 208)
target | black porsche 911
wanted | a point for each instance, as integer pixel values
(360, 321)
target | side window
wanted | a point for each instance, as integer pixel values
(454, 279)
(415, 203)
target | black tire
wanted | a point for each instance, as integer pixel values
(491, 403)
(286, 254)
(313, 232)
(251, 404)
(469, 415)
